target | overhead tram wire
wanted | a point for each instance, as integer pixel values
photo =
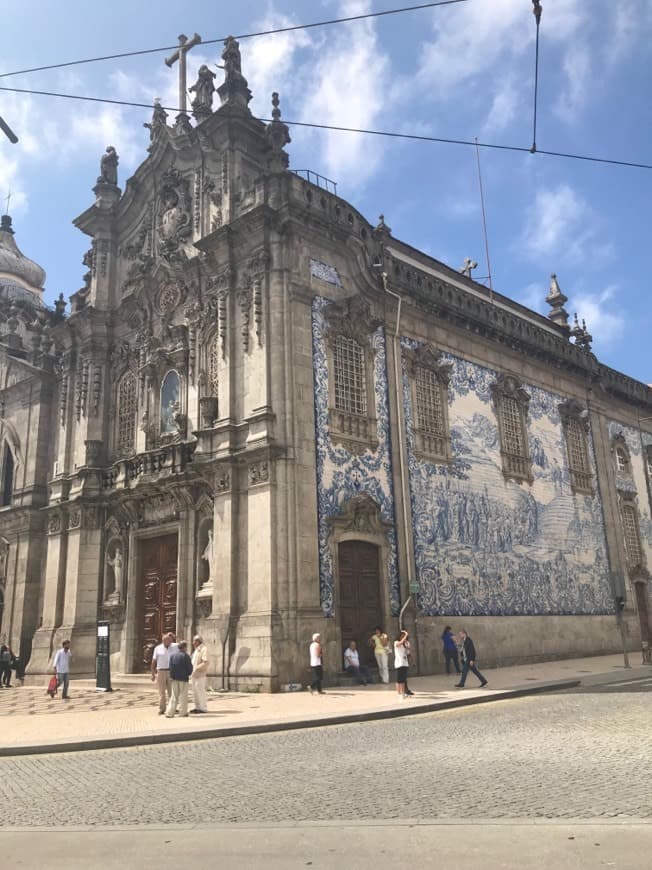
(536, 11)
(413, 137)
(271, 32)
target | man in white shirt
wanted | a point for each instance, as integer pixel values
(199, 671)
(61, 667)
(352, 664)
(161, 671)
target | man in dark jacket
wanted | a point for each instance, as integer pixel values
(468, 661)
(180, 670)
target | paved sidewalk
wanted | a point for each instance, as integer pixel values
(31, 722)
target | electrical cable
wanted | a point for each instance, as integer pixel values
(536, 11)
(287, 29)
(386, 133)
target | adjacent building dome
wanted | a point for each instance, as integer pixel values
(20, 277)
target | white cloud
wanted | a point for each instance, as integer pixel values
(503, 107)
(577, 68)
(559, 225)
(348, 86)
(606, 326)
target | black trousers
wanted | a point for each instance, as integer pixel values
(451, 656)
(317, 677)
(5, 673)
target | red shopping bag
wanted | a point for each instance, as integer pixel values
(53, 687)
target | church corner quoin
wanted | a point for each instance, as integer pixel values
(232, 428)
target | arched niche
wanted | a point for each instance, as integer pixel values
(170, 402)
(206, 555)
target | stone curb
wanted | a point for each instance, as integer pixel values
(410, 708)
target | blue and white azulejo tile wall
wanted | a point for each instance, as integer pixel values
(635, 483)
(487, 546)
(342, 474)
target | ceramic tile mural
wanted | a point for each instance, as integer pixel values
(636, 482)
(341, 474)
(487, 546)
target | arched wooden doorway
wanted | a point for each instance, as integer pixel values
(360, 606)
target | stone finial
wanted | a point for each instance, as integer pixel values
(60, 306)
(381, 228)
(234, 90)
(277, 136)
(556, 300)
(582, 336)
(204, 88)
(467, 267)
(109, 167)
(587, 338)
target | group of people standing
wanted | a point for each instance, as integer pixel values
(457, 649)
(172, 669)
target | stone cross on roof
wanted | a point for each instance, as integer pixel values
(180, 55)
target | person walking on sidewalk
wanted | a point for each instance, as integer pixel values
(61, 667)
(380, 644)
(180, 671)
(161, 671)
(316, 664)
(401, 664)
(450, 650)
(468, 661)
(199, 671)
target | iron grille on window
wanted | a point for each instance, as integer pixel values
(622, 461)
(632, 538)
(513, 427)
(213, 366)
(430, 411)
(576, 441)
(349, 376)
(126, 422)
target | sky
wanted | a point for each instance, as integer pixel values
(459, 71)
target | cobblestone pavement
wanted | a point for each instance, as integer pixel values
(570, 755)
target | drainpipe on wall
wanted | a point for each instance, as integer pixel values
(398, 385)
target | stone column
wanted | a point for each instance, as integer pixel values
(53, 593)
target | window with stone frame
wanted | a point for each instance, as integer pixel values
(511, 403)
(632, 535)
(213, 366)
(622, 461)
(575, 428)
(127, 409)
(429, 378)
(351, 401)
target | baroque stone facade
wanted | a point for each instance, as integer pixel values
(237, 431)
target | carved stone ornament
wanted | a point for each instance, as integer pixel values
(352, 319)
(222, 482)
(427, 357)
(360, 514)
(258, 473)
(169, 297)
(174, 219)
(157, 509)
(204, 605)
(508, 385)
(54, 523)
(93, 452)
(74, 518)
(572, 410)
(113, 613)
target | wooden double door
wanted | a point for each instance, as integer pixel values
(158, 599)
(360, 605)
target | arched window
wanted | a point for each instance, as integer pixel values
(429, 406)
(212, 366)
(7, 476)
(575, 425)
(126, 416)
(170, 402)
(511, 402)
(349, 375)
(429, 375)
(632, 536)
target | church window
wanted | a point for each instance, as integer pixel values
(126, 417)
(511, 403)
(632, 536)
(213, 363)
(349, 376)
(7, 476)
(622, 460)
(578, 454)
(429, 375)
(170, 402)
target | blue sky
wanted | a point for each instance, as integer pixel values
(459, 71)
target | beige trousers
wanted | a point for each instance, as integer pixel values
(383, 666)
(178, 698)
(199, 694)
(163, 686)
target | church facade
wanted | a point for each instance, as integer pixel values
(264, 416)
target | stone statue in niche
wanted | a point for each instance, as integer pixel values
(115, 564)
(109, 167)
(170, 407)
(209, 556)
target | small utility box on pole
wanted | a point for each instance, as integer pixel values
(103, 657)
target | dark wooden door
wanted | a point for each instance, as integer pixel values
(159, 593)
(643, 611)
(360, 606)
